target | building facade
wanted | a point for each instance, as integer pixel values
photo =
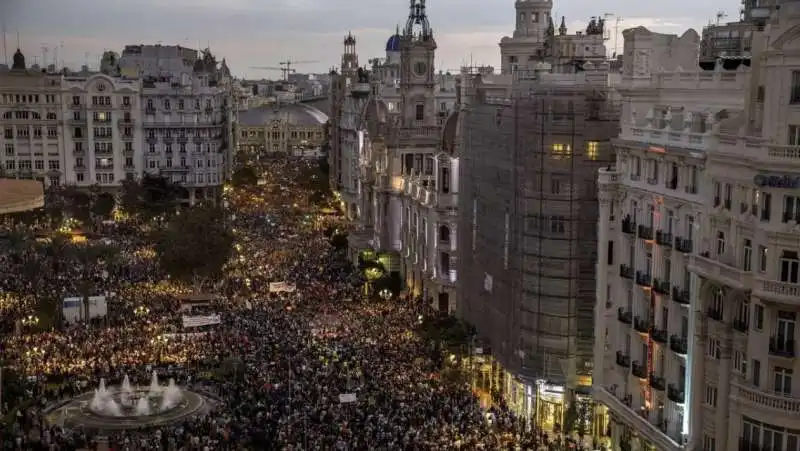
(280, 129)
(698, 303)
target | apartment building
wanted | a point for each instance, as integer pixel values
(699, 249)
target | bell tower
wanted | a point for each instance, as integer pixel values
(417, 76)
(349, 57)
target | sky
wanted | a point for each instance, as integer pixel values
(264, 32)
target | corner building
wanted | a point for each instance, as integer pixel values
(699, 275)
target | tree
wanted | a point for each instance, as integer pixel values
(150, 197)
(195, 245)
(78, 203)
(104, 205)
(244, 176)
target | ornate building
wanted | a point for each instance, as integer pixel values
(280, 129)
(405, 180)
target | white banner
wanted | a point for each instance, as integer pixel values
(73, 308)
(201, 320)
(185, 335)
(347, 398)
(278, 287)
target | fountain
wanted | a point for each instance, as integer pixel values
(128, 401)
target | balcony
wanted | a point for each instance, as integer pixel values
(623, 316)
(675, 394)
(126, 106)
(151, 140)
(781, 347)
(645, 232)
(657, 382)
(183, 139)
(664, 238)
(168, 140)
(209, 110)
(639, 370)
(714, 314)
(683, 245)
(628, 226)
(79, 121)
(643, 279)
(659, 335)
(777, 291)
(125, 122)
(740, 325)
(722, 269)
(778, 404)
(683, 297)
(126, 137)
(150, 110)
(626, 271)
(678, 345)
(661, 286)
(622, 407)
(75, 106)
(623, 360)
(78, 151)
(641, 325)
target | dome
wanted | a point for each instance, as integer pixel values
(393, 44)
(297, 114)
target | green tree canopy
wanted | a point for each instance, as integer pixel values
(195, 245)
(150, 196)
(244, 176)
(104, 205)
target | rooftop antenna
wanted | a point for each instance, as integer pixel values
(5, 46)
(721, 15)
(19, 45)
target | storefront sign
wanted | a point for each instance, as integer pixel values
(777, 181)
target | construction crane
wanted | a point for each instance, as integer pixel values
(285, 67)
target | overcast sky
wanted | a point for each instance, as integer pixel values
(264, 32)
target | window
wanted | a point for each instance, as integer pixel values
(784, 330)
(592, 150)
(561, 151)
(713, 348)
(728, 196)
(758, 317)
(716, 300)
(181, 104)
(747, 255)
(672, 180)
(506, 240)
(79, 176)
(709, 443)
(720, 243)
(743, 313)
(740, 362)
(167, 104)
(555, 186)
(420, 112)
(9, 149)
(126, 100)
(610, 253)
(717, 194)
(711, 396)
(795, 92)
(791, 209)
(762, 259)
(766, 203)
(756, 372)
(636, 170)
(790, 264)
(76, 100)
(557, 225)
(652, 176)
(783, 381)
(794, 135)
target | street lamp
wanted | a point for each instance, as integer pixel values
(141, 310)
(386, 294)
(30, 320)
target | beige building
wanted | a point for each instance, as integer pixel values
(280, 129)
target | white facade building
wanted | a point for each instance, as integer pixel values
(698, 275)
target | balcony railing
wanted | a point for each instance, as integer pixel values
(641, 325)
(657, 382)
(639, 370)
(781, 347)
(623, 360)
(784, 292)
(149, 110)
(664, 238)
(645, 232)
(714, 314)
(626, 271)
(683, 245)
(623, 316)
(680, 296)
(643, 279)
(661, 286)
(782, 405)
(675, 394)
(659, 335)
(678, 345)
(125, 122)
(628, 226)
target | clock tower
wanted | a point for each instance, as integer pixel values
(417, 77)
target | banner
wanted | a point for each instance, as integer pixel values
(185, 335)
(74, 310)
(347, 398)
(278, 287)
(200, 320)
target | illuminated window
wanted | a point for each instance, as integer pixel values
(561, 152)
(592, 150)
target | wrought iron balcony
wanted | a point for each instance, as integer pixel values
(623, 360)
(781, 347)
(681, 296)
(639, 370)
(740, 325)
(645, 232)
(623, 316)
(626, 271)
(641, 325)
(678, 345)
(661, 286)
(664, 238)
(714, 314)
(675, 394)
(628, 226)
(657, 382)
(643, 279)
(659, 335)
(683, 245)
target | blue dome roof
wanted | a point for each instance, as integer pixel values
(393, 44)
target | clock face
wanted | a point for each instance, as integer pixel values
(420, 68)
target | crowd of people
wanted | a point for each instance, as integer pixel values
(319, 365)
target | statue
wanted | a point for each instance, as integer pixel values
(363, 75)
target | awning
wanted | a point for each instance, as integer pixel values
(20, 195)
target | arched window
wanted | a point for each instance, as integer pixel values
(444, 234)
